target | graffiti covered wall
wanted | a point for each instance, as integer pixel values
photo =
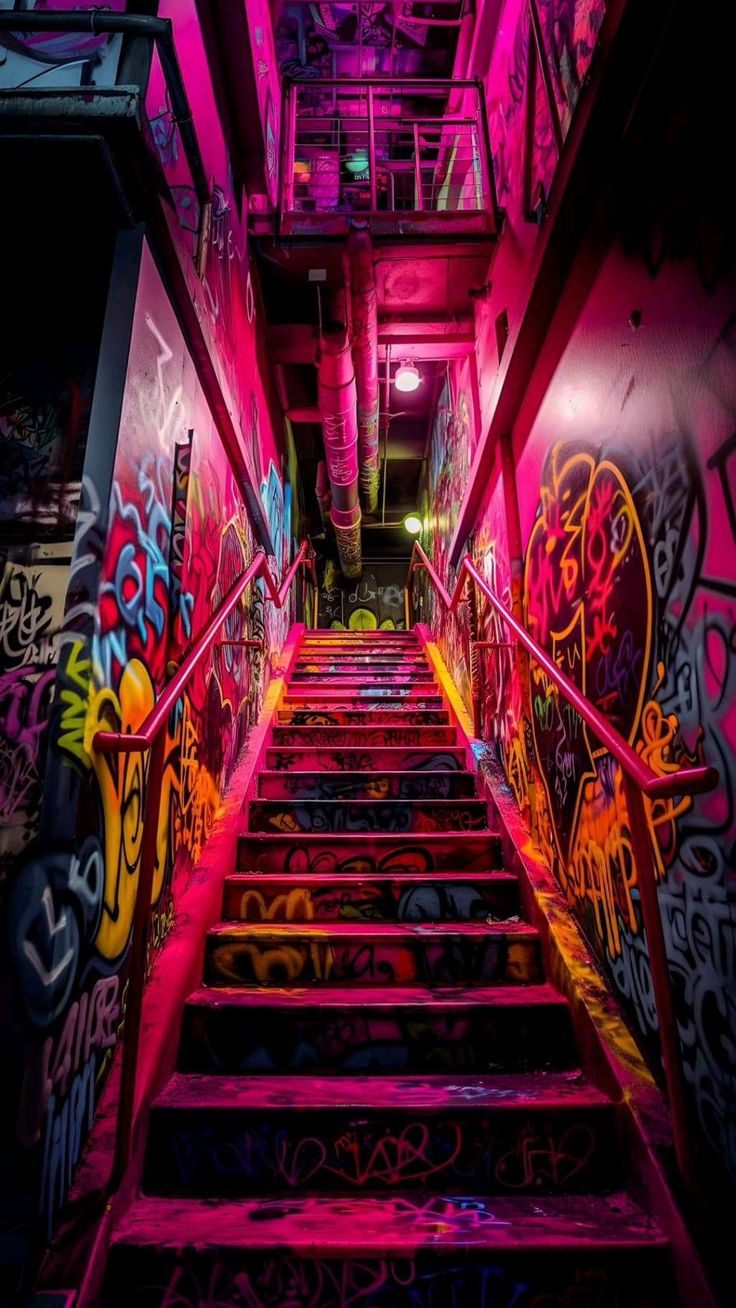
(626, 489)
(625, 476)
(374, 602)
(147, 570)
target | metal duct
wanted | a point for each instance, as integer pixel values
(337, 398)
(364, 300)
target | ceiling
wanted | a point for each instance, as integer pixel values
(425, 287)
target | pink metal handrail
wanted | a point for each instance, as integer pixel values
(638, 780)
(151, 736)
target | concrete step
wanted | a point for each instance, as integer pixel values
(376, 1030)
(372, 759)
(361, 696)
(331, 700)
(366, 785)
(550, 1133)
(380, 897)
(359, 815)
(389, 1251)
(370, 852)
(372, 954)
(364, 737)
(333, 660)
(347, 675)
(327, 716)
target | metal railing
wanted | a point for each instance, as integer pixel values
(403, 151)
(639, 781)
(151, 736)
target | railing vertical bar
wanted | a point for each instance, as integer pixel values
(291, 122)
(372, 151)
(419, 198)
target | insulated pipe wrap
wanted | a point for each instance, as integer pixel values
(337, 398)
(364, 302)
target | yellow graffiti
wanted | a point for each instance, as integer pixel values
(75, 699)
(656, 747)
(198, 794)
(121, 779)
(296, 905)
(272, 965)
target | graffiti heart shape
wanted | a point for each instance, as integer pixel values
(588, 601)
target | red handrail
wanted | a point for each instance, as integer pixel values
(150, 736)
(638, 780)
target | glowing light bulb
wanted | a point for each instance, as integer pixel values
(413, 524)
(407, 377)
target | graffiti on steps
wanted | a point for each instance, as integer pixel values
(394, 815)
(514, 1155)
(365, 1042)
(268, 1282)
(366, 901)
(456, 961)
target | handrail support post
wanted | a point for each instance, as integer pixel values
(641, 847)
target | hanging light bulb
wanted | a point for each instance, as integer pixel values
(407, 377)
(413, 524)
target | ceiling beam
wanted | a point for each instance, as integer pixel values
(296, 343)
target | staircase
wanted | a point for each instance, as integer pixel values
(379, 1102)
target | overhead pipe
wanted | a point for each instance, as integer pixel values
(338, 404)
(323, 493)
(364, 302)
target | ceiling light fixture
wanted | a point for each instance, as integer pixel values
(407, 377)
(413, 524)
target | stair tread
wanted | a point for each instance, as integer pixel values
(398, 751)
(398, 1225)
(438, 998)
(352, 878)
(354, 837)
(505, 1091)
(463, 801)
(325, 932)
(365, 774)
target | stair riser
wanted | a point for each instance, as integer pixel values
(507, 1151)
(360, 696)
(366, 900)
(364, 737)
(399, 1039)
(334, 701)
(361, 662)
(359, 677)
(365, 760)
(150, 1278)
(362, 640)
(394, 815)
(363, 717)
(407, 962)
(346, 786)
(369, 853)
